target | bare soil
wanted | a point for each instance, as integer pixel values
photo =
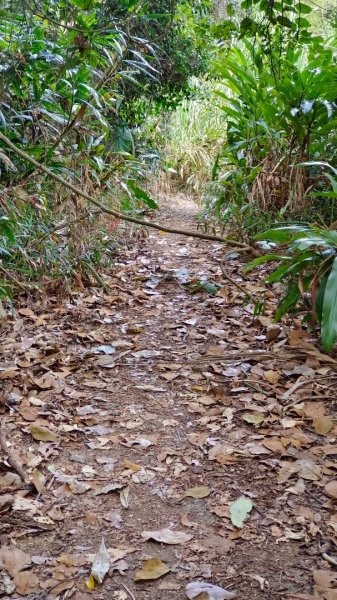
(186, 368)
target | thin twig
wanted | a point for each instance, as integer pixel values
(126, 588)
(116, 213)
(12, 461)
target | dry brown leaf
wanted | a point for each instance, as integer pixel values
(324, 578)
(152, 569)
(323, 425)
(272, 376)
(274, 445)
(331, 489)
(14, 560)
(198, 492)
(78, 487)
(26, 583)
(308, 469)
(106, 489)
(42, 434)
(220, 453)
(167, 536)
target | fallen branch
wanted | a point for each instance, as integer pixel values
(12, 461)
(231, 279)
(120, 215)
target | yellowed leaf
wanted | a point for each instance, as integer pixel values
(198, 492)
(42, 434)
(323, 425)
(272, 376)
(90, 583)
(152, 569)
(132, 466)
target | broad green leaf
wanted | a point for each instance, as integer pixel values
(329, 312)
(142, 195)
(289, 301)
(262, 259)
(280, 234)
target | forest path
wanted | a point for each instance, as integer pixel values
(160, 390)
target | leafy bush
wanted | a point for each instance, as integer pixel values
(280, 87)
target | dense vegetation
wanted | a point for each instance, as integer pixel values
(235, 102)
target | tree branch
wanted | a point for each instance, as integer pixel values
(120, 215)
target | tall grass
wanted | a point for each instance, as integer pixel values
(192, 136)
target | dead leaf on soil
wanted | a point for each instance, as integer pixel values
(42, 434)
(239, 510)
(26, 583)
(101, 564)
(167, 536)
(207, 591)
(152, 569)
(14, 560)
(331, 489)
(323, 425)
(198, 492)
(106, 489)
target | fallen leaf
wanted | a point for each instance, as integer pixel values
(114, 518)
(198, 492)
(106, 489)
(323, 425)
(274, 445)
(272, 376)
(253, 418)
(199, 589)
(308, 469)
(152, 569)
(331, 489)
(167, 536)
(101, 564)
(106, 349)
(239, 510)
(42, 434)
(26, 583)
(143, 443)
(78, 487)
(220, 453)
(324, 578)
(124, 496)
(14, 560)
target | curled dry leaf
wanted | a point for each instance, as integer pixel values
(101, 564)
(167, 536)
(199, 589)
(152, 569)
(106, 489)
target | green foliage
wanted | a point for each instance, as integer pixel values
(279, 85)
(308, 266)
(73, 76)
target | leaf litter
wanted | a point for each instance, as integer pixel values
(197, 440)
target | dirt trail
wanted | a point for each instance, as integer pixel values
(162, 390)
